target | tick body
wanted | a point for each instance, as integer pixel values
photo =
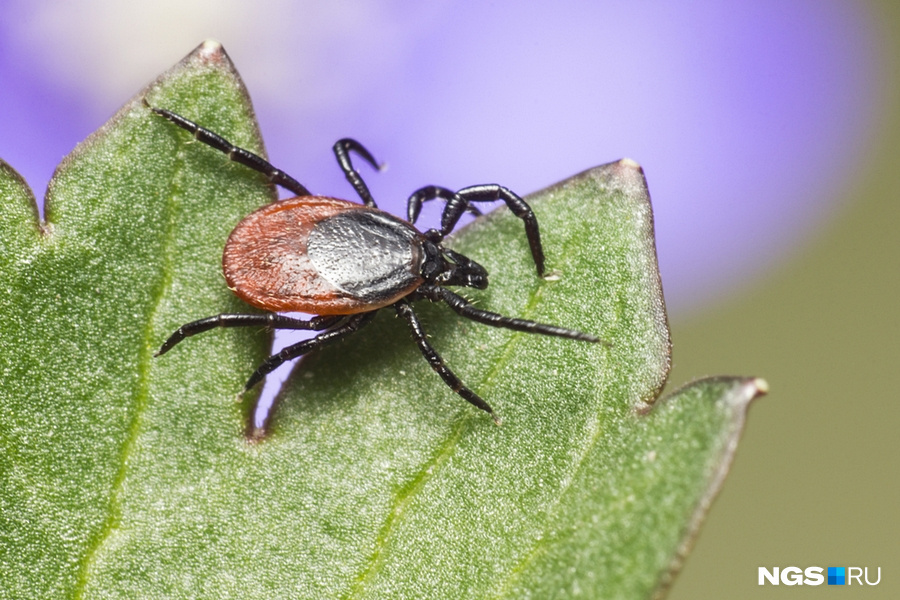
(323, 256)
(343, 261)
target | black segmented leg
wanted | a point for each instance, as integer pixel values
(235, 153)
(342, 149)
(520, 208)
(434, 192)
(459, 202)
(353, 323)
(437, 363)
(465, 309)
(271, 320)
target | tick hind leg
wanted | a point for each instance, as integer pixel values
(270, 320)
(437, 363)
(336, 332)
(461, 201)
(235, 153)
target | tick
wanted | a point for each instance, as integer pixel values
(343, 262)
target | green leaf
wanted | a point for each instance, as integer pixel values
(128, 476)
(135, 221)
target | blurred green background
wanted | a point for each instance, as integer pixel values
(815, 481)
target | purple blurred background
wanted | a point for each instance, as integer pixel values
(749, 121)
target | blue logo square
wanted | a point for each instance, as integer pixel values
(836, 576)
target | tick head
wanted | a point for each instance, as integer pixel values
(446, 267)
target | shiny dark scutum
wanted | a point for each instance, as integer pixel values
(369, 254)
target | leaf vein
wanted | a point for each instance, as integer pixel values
(141, 391)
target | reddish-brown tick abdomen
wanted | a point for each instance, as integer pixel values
(322, 256)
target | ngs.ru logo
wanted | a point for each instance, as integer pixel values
(816, 576)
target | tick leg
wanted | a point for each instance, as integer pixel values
(271, 320)
(238, 155)
(459, 202)
(434, 192)
(437, 363)
(353, 323)
(342, 150)
(520, 208)
(465, 309)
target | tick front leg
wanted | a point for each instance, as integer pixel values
(437, 363)
(461, 201)
(493, 192)
(434, 192)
